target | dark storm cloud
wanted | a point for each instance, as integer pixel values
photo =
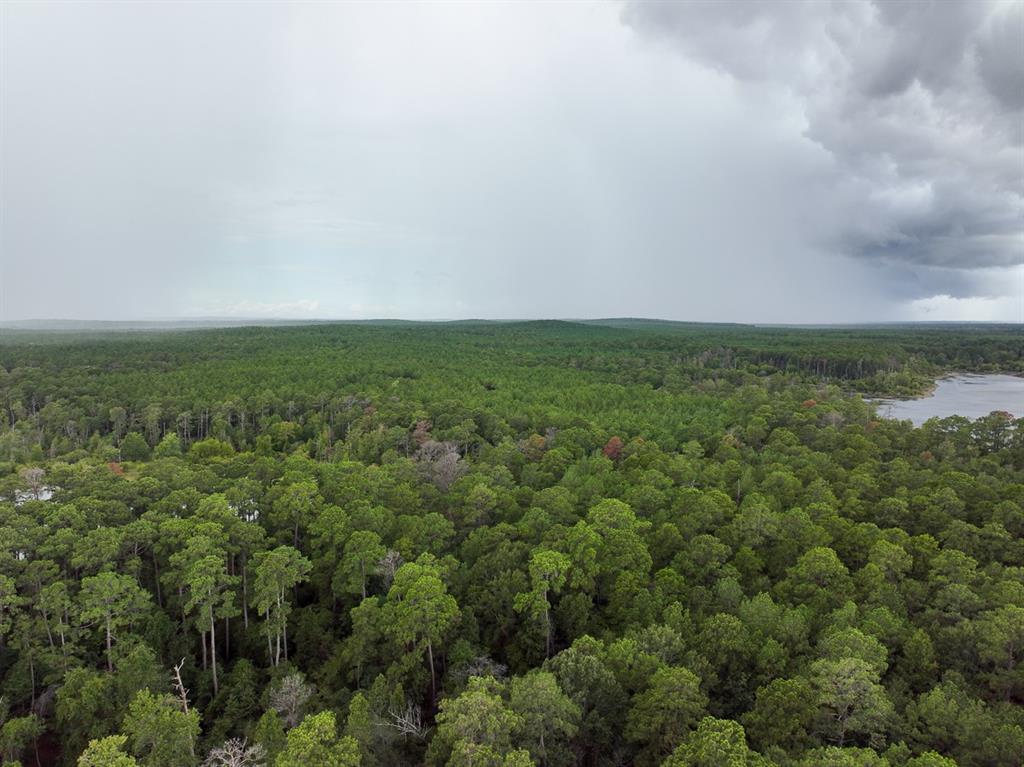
(999, 52)
(918, 104)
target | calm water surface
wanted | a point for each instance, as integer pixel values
(971, 396)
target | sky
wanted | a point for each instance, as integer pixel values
(738, 161)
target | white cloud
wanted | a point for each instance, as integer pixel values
(972, 309)
(374, 311)
(305, 308)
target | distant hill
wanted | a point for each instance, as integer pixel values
(643, 323)
(623, 323)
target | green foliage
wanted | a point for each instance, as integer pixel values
(665, 713)
(476, 727)
(134, 448)
(107, 752)
(507, 544)
(851, 701)
(931, 759)
(548, 571)
(169, 447)
(111, 602)
(548, 718)
(17, 734)
(715, 743)
(269, 733)
(419, 611)
(275, 573)
(316, 741)
(160, 733)
(358, 564)
(843, 757)
(84, 707)
(782, 714)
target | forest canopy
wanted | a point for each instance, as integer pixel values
(509, 544)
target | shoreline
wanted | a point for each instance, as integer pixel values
(934, 385)
(957, 400)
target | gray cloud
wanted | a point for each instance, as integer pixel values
(999, 56)
(729, 161)
(918, 104)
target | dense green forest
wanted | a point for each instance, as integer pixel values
(486, 544)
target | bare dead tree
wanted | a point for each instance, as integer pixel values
(441, 462)
(43, 705)
(832, 418)
(236, 753)
(179, 686)
(432, 450)
(421, 434)
(388, 565)
(448, 469)
(289, 697)
(479, 666)
(33, 479)
(549, 436)
(406, 721)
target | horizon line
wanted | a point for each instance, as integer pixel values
(255, 321)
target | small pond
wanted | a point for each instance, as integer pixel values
(971, 396)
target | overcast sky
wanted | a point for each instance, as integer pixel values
(756, 162)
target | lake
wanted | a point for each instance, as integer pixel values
(971, 396)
